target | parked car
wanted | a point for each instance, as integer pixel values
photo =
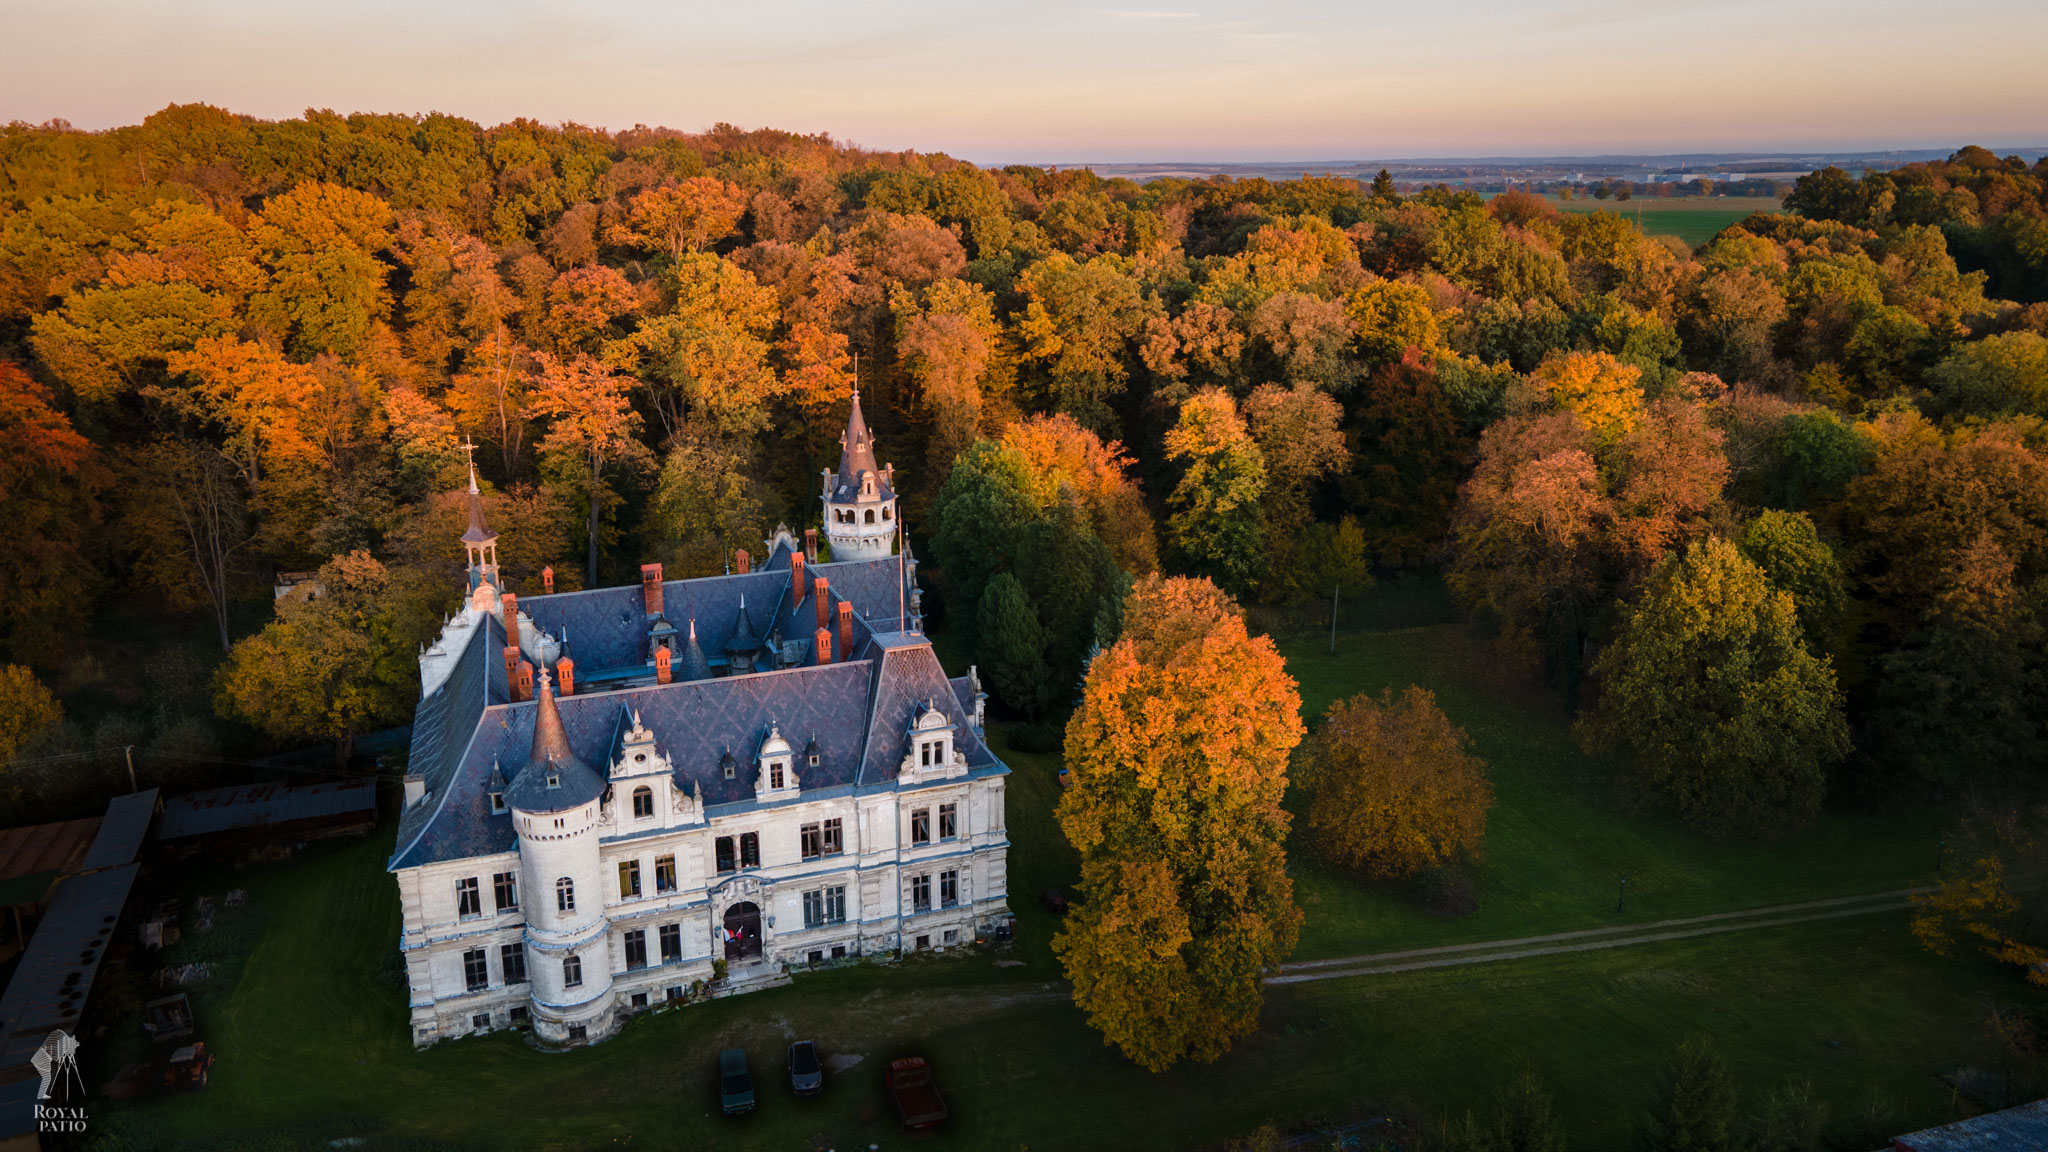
(735, 1083)
(806, 1075)
(910, 1084)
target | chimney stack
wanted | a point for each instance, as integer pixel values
(511, 605)
(824, 638)
(565, 677)
(525, 680)
(742, 561)
(662, 675)
(845, 631)
(796, 579)
(650, 588)
(823, 592)
(811, 544)
(512, 671)
(547, 580)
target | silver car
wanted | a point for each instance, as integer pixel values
(806, 1076)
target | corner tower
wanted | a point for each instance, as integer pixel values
(860, 499)
(556, 802)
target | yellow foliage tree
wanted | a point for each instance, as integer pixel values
(1393, 785)
(1179, 757)
(1606, 393)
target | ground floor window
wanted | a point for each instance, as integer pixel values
(675, 991)
(475, 972)
(923, 942)
(481, 1021)
(920, 895)
(671, 943)
(639, 999)
(839, 951)
(636, 949)
(949, 888)
(572, 972)
(952, 936)
(578, 1031)
(513, 958)
(521, 1017)
(825, 906)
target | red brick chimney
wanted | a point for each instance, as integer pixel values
(565, 677)
(796, 579)
(811, 544)
(511, 605)
(662, 675)
(845, 630)
(742, 561)
(512, 671)
(650, 588)
(824, 645)
(823, 592)
(547, 580)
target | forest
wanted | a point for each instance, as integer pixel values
(1769, 515)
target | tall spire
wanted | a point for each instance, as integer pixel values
(554, 779)
(479, 543)
(856, 448)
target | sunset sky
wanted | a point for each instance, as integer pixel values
(1281, 80)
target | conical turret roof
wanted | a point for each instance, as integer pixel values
(555, 779)
(477, 533)
(857, 455)
(743, 637)
(696, 666)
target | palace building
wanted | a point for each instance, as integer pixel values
(611, 789)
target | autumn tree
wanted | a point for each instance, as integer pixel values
(51, 479)
(26, 708)
(1603, 391)
(332, 664)
(946, 337)
(1793, 557)
(979, 519)
(1078, 322)
(1714, 701)
(1989, 897)
(1216, 512)
(1394, 788)
(707, 358)
(184, 516)
(681, 218)
(1407, 454)
(1299, 442)
(1179, 758)
(705, 505)
(591, 430)
(1060, 457)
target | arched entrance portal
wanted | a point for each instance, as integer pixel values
(742, 934)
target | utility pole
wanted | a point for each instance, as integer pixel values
(1622, 899)
(131, 769)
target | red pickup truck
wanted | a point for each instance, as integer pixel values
(917, 1099)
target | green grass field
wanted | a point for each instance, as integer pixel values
(1692, 219)
(311, 1035)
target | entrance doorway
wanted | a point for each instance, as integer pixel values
(742, 932)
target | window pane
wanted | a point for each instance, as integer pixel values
(513, 959)
(671, 942)
(664, 873)
(834, 840)
(750, 850)
(636, 948)
(921, 826)
(725, 860)
(506, 887)
(949, 821)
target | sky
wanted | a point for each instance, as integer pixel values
(1036, 83)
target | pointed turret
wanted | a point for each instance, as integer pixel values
(479, 542)
(743, 642)
(860, 499)
(696, 666)
(555, 779)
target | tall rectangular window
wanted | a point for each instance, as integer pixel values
(725, 856)
(475, 972)
(565, 896)
(750, 849)
(811, 841)
(671, 943)
(921, 826)
(775, 774)
(920, 893)
(835, 904)
(949, 888)
(506, 886)
(664, 873)
(572, 972)
(468, 901)
(636, 949)
(629, 879)
(512, 957)
(949, 821)
(814, 909)
(835, 839)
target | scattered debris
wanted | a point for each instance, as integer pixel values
(205, 913)
(236, 897)
(843, 1061)
(181, 975)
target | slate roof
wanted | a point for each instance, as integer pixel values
(2015, 1128)
(555, 778)
(255, 805)
(444, 727)
(857, 455)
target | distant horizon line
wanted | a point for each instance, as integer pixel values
(2031, 152)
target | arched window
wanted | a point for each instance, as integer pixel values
(565, 895)
(572, 972)
(871, 515)
(643, 802)
(885, 511)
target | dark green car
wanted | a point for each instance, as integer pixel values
(735, 1083)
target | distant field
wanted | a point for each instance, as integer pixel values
(1692, 219)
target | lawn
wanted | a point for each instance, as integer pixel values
(311, 1035)
(1693, 219)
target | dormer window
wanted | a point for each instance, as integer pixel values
(554, 778)
(497, 803)
(776, 774)
(775, 771)
(643, 802)
(728, 765)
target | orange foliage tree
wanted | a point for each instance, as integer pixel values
(1179, 756)
(1394, 786)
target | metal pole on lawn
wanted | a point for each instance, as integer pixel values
(1334, 589)
(1622, 899)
